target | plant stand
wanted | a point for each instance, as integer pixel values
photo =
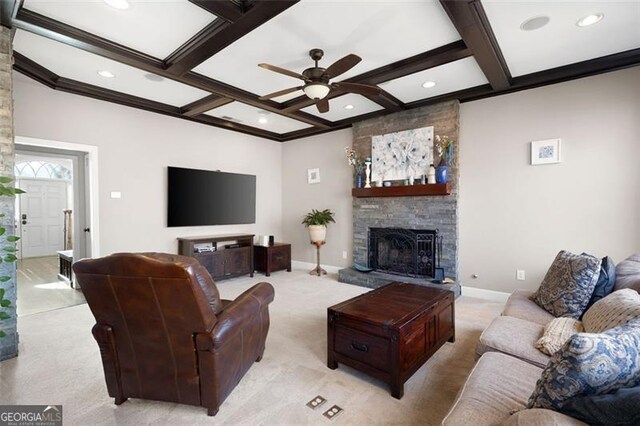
(318, 270)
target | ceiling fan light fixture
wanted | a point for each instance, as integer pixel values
(316, 90)
(590, 20)
(118, 4)
(429, 84)
(534, 23)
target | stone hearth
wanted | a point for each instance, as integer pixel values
(378, 279)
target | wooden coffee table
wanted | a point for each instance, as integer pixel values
(390, 332)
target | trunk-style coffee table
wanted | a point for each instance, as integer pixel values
(390, 332)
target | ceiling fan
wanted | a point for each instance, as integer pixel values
(317, 80)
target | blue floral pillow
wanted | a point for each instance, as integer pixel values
(568, 285)
(590, 364)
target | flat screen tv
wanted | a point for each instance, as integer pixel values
(203, 197)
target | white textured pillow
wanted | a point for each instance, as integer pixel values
(616, 309)
(556, 333)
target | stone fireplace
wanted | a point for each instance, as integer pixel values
(433, 213)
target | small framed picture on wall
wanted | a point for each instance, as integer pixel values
(313, 175)
(545, 152)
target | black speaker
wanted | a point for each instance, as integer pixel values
(271, 240)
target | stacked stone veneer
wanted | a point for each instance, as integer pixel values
(9, 343)
(439, 212)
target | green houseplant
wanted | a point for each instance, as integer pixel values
(7, 251)
(317, 221)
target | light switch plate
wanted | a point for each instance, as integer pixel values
(116, 194)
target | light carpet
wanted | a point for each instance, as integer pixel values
(59, 363)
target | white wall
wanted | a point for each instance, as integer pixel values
(325, 152)
(517, 216)
(134, 149)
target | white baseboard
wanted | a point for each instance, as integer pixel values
(481, 293)
(309, 266)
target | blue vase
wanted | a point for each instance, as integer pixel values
(442, 174)
(359, 183)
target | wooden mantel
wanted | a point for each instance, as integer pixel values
(403, 191)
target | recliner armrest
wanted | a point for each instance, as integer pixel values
(236, 315)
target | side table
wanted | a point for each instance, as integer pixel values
(268, 259)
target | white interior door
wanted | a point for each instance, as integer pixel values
(41, 216)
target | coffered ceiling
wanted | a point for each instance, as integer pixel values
(198, 59)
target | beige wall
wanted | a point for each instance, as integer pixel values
(512, 215)
(517, 216)
(325, 152)
(134, 148)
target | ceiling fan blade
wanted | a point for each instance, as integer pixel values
(280, 93)
(342, 65)
(283, 71)
(362, 89)
(323, 105)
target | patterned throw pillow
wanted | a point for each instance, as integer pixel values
(556, 333)
(628, 273)
(616, 309)
(590, 364)
(606, 281)
(568, 285)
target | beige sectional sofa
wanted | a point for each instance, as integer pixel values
(508, 368)
(509, 364)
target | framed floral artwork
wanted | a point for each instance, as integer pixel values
(545, 152)
(401, 155)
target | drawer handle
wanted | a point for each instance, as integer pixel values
(359, 347)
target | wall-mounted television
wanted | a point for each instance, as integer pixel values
(204, 197)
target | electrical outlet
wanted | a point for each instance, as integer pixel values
(520, 274)
(344, 254)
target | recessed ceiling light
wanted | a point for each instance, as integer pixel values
(428, 84)
(153, 77)
(534, 23)
(349, 106)
(118, 4)
(263, 120)
(106, 74)
(590, 20)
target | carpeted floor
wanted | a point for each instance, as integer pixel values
(59, 363)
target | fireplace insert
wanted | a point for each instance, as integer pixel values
(409, 252)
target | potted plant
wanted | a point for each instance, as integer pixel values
(317, 222)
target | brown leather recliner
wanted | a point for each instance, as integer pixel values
(163, 332)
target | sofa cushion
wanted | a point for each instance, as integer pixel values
(541, 417)
(520, 305)
(515, 337)
(616, 309)
(618, 408)
(497, 385)
(628, 273)
(606, 281)
(590, 364)
(556, 334)
(568, 285)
